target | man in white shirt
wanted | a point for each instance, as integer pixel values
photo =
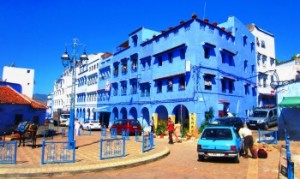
(246, 134)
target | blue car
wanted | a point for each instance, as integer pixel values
(219, 141)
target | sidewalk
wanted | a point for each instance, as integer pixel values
(87, 158)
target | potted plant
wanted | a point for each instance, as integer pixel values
(161, 128)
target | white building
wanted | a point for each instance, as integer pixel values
(22, 76)
(266, 64)
(289, 70)
(86, 89)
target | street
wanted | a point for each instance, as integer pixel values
(182, 163)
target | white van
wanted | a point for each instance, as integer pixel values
(64, 119)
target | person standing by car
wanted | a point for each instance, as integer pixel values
(171, 130)
(246, 135)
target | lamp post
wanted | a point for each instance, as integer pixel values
(71, 63)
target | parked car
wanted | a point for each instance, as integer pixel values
(219, 141)
(263, 118)
(131, 125)
(91, 125)
(236, 122)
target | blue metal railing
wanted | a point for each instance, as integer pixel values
(57, 152)
(103, 132)
(113, 133)
(125, 134)
(138, 137)
(8, 152)
(269, 137)
(112, 148)
(290, 163)
(147, 142)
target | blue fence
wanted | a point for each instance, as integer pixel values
(269, 137)
(8, 152)
(138, 137)
(290, 163)
(125, 134)
(112, 148)
(113, 133)
(103, 132)
(57, 152)
(147, 142)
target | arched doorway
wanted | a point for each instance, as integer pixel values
(123, 113)
(162, 113)
(115, 114)
(133, 113)
(145, 113)
(182, 116)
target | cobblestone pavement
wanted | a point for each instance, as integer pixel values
(181, 162)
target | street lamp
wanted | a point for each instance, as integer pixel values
(72, 62)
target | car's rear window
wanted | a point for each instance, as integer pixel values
(134, 122)
(215, 134)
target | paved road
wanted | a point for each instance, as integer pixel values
(182, 163)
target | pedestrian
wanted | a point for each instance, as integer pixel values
(77, 127)
(171, 130)
(177, 132)
(246, 135)
(151, 122)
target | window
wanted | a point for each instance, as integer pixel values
(206, 52)
(134, 40)
(159, 60)
(145, 89)
(134, 86)
(246, 86)
(124, 67)
(115, 89)
(134, 64)
(257, 41)
(227, 57)
(123, 88)
(223, 84)
(245, 40)
(170, 57)
(159, 86)
(231, 86)
(272, 61)
(263, 45)
(182, 53)
(116, 69)
(170, 85)
(208, 82)
(245, 65)
(253, 69)
(265, 82)
(182, 83)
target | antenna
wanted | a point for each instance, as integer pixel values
(204, 9)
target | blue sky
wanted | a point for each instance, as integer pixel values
(33, 33)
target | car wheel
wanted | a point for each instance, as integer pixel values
(237, 158)
(200, 158)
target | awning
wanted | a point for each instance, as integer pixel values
(103, 109)
(223, 101)
(290, 102)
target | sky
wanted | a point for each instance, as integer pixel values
(34, 33)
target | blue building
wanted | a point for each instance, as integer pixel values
(180, 73)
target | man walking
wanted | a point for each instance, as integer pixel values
(246, 134)
(171, 130)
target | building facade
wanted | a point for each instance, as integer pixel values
(22, 76)
(181, 73)
(266, 64)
